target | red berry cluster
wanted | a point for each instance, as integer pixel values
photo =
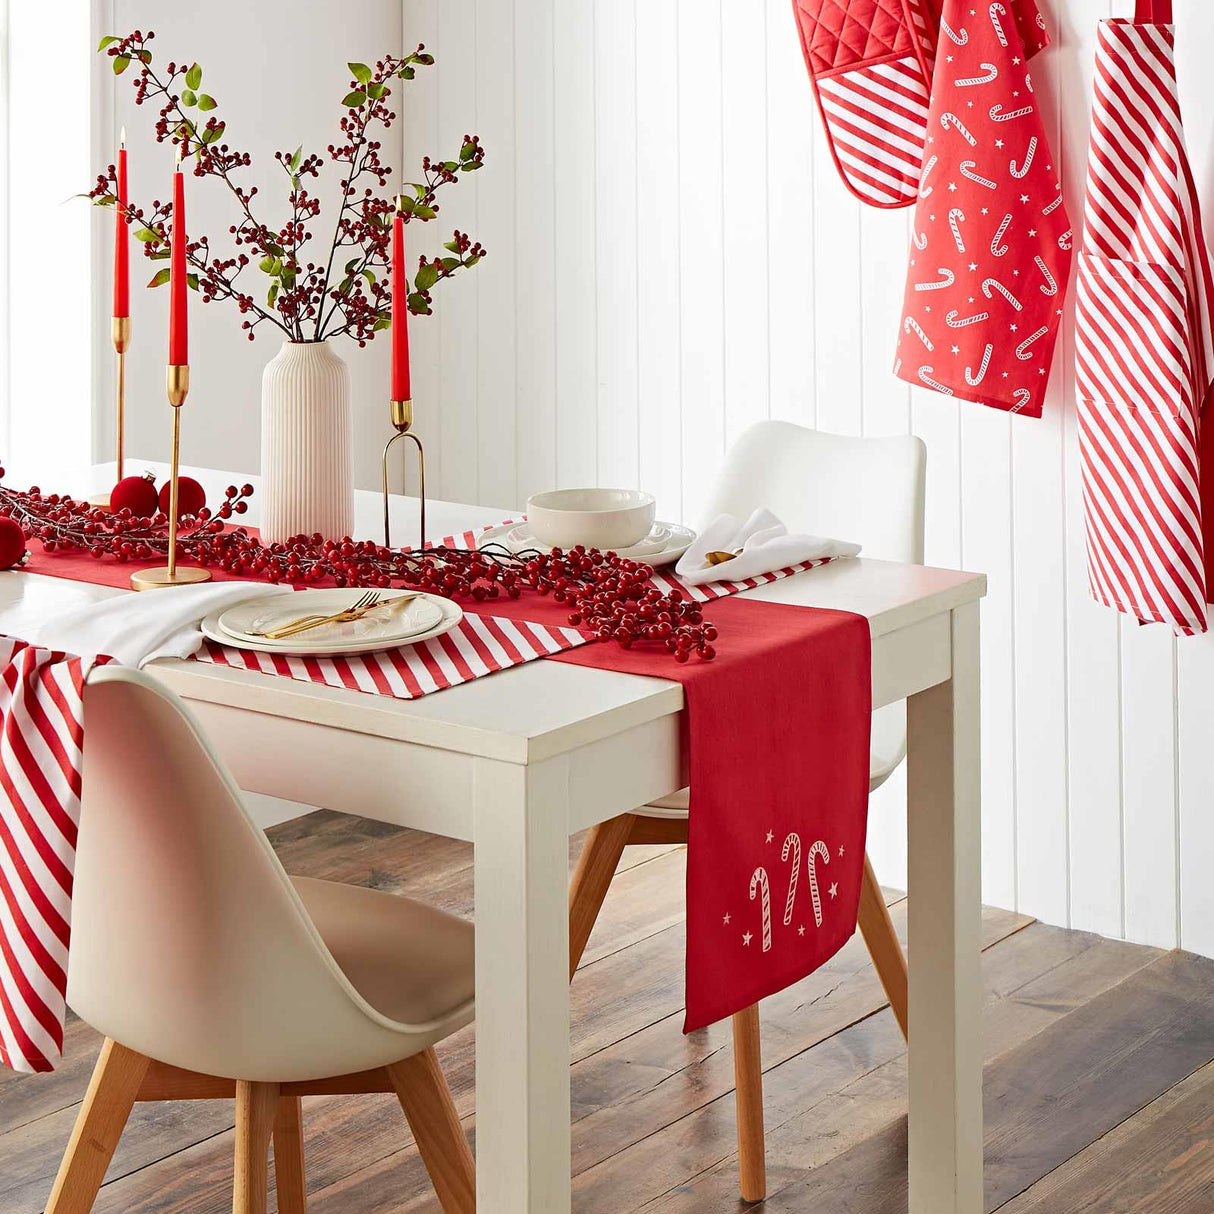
(613, 597)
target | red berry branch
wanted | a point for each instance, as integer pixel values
(308, 299)
(606, 594)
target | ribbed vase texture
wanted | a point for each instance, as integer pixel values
(307, 458)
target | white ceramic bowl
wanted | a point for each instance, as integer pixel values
(598, 518)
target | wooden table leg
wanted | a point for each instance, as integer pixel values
(521, 867)
(944, 906)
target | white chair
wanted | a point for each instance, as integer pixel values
(869, 490)
(211, 973)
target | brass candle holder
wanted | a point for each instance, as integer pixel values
(402, 420)
(120, 331)
(178, 384)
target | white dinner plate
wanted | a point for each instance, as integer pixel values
(439, 615)
(665, 543)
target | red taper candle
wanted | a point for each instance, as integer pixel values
(179, 334)
(401, 389)
(122, 265)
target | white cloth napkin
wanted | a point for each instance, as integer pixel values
(139, 628)
(766, 544)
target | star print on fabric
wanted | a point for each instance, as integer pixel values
(999, 143)
(1013, 327)
(834, 889)
(725, 921)
(746, 939)
(956, 349)
(1024, 198)
(801, 930)
(840, 851)
(770, 835)
(973, 266)
(952, 187)
(1032, 231)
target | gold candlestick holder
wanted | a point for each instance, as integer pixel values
(402, 420)
(178, 384)
(120, 331)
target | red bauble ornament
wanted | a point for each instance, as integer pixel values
(190, 496)
(136, 494)
(12, 543)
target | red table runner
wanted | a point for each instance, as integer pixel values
(776, 746)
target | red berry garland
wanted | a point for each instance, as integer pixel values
(607, 595)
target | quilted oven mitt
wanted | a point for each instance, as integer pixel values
(870, 63)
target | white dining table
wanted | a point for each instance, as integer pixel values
(518, 761)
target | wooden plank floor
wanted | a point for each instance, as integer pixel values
(1099, 1077)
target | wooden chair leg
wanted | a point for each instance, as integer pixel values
(430, 1111)
(103, 1114)
(882, 941)
(595, 867)
(748, 1094)
(289, 1156)
(256, 1112)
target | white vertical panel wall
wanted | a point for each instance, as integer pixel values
(672, 257)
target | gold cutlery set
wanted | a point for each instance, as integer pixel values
(365, 603)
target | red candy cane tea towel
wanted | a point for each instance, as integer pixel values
(1144, 340)
(991, 257)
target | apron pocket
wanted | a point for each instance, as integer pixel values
(1132, 336)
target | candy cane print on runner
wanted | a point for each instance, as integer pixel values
(1144, 340)
(818, 849)
(994, 166)
(792, 846)
(759, 885)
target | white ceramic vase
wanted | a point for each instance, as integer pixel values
(307, 457)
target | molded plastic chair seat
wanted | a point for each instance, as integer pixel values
(409, 961)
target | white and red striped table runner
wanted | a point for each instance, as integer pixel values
(1144, 342)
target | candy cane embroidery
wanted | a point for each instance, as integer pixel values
(1064, 241)
(818, 849)
(947, 281)
(997, 114)
(998, 248)
(994, 11)
(975, 380)
(919, 240)
(1021, 397)
(953, 323)
(1022, 350)
(965, 167)
(960, 39)
(956, 217)
(911, 325)
(992, 73)
(927, 168)
(925, 374)
(993, 284)
(1053, 206)
(758, 881)
(1049, 287)
(791, 844)
(1028, 81)
(951, 119)
(1028, 160)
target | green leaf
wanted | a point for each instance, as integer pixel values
(351, 264)
(453, 245)
(472, 261)
(449, 263)
(407, 73)
(407, 205)
(108, 40)
(423, 212)
(160, 278)
(191, 281)
(425, 59)
(293, 163)
(188, 97)
(266, 264)
(160, 254)
(376, 91)
(360, 71)
(418, 305)
(272, 294)
(295, 181)
(146, 234)
(353, 100)
(346, 284)
(467, 151)
(193, 78)
(383, 322)
(211, 133)
(144, 56)
(121, 63)
(369, 277)
(287, 274)
(106, 200)
(427, 276)
(206, 102)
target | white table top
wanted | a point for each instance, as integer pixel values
(520, 715)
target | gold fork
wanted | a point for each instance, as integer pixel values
(355, 611)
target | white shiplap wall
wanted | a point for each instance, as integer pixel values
(673, 257)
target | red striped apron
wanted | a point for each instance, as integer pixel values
(1144, 341)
